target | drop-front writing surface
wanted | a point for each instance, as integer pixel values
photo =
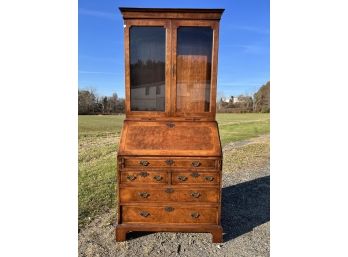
(163, 138)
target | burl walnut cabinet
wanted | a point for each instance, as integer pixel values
(170, 158)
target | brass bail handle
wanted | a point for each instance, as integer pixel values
(209, 178)
(144, 213)
(195, 194)
(144, 194)
(131, 177)
(195, 215)
(144, 163)
(196, 164)
(158, 178)
(182, 178)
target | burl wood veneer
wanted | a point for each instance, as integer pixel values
(169, 157)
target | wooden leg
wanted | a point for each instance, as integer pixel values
(217, 235)
(120, 234)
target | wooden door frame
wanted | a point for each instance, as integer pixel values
(214, 25)
(171, 26)
(147, 23)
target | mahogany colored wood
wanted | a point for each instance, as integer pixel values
(191, 163)
(160, 138)
(169, 213)
(144, 177)
(194, 114)
(133, 17)
(185, 178)
(168, 13)
(215, 230)
(170, 157)
(169, 194)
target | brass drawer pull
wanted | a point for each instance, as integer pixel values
(209, 178)
(131, 177)
(169, 162)
(168, 209)
(195, 194)
(195, 174)
(169, 190)
(158, 178)
(144, 163)
(182, 178)
(144, 194)
(196, 164)
(195, 215)
(144, 174)
(144, 213)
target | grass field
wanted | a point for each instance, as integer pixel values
(98, 142)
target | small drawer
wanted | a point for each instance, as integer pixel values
(169, 214)
(195, 177)
(144, 163)
(170, 194)
(143, 176)
(167, 162)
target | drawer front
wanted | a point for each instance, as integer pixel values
(210, 195)
(143, 176)
(171, 162)
(169, 214)
(206, 178)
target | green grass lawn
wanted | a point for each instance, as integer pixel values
(235, 127)
(98, 142)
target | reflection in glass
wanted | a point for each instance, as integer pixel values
(147, 68)
(194, 48)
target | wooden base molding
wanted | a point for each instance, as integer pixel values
(215, 230)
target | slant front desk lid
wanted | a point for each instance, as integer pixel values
(178, 138)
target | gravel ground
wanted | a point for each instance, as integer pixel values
(245, 216)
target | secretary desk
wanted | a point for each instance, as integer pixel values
(169, 157)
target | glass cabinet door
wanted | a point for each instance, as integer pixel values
(193, 69)
(171, 68)
(147, 51)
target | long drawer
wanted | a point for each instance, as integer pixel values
(194, 163)
(169, 194)
(169, 214)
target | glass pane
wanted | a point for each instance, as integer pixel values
(193, 62)
(147, 68)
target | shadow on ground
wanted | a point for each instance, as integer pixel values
(244, 207)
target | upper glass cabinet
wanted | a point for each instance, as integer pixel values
(171, 63)
(147, 68)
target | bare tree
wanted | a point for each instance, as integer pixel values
(262, 99)
(86, 100)
(90, 103)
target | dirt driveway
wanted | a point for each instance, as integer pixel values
(245, 216)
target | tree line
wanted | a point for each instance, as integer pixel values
(259, 102)
(90, 103)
